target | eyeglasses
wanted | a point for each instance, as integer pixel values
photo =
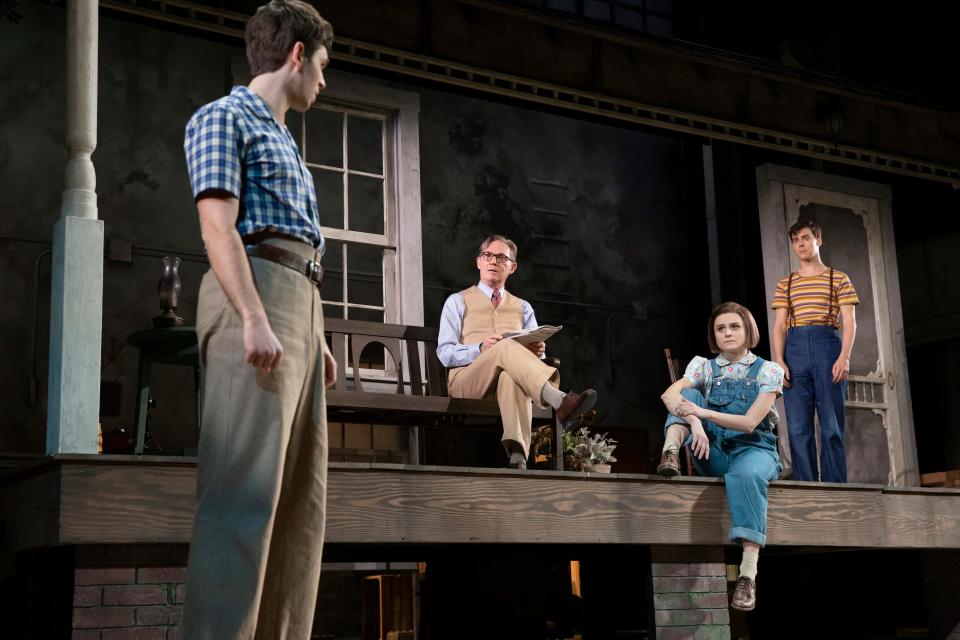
(500, 257)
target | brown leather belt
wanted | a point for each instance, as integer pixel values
(289, 259)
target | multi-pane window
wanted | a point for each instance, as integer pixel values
(346, 150)
(361, 142)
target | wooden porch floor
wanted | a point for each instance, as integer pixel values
(91, 499)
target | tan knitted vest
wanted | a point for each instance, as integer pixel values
(481, 320)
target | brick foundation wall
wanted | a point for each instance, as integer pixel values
(690, 593)
(128, 603)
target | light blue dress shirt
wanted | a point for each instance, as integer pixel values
(449, 348)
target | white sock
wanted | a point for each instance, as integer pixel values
(551, 395)
(672, 443)
(517, 456)
(748, 565)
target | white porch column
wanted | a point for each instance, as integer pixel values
(76, 305)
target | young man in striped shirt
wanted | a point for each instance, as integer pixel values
(813, 336)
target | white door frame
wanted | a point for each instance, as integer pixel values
(782, 191)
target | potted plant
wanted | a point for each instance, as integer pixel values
(590, 452)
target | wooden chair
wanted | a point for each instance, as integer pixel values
(675, 370)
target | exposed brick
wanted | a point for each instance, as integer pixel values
(676, 633)
(692, 616)
(712, 632)
(85, 634)
(124, 575)
(662, 618)
(683, 585)
(686, 554)
(721, 616)
(669, 569)
(174, 633)
(663, 601)
(87, 596)
(102, 617)
(717, 585)
(160, 615)
(135, 594)
(159, 575)
(180, 594)
(708, 569)
(708, 600)
(136, 633)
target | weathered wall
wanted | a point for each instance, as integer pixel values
(623, 238)
(620, 221)
(150, 83)
(633, 229)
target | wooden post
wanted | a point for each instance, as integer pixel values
(76, 305)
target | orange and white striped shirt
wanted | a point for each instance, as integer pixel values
(814, 300)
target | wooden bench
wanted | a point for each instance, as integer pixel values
(413, 388)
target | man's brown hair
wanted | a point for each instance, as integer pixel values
(749, 325)
(805, 224)
(276, 27)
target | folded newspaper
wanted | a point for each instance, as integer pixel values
(536, 334)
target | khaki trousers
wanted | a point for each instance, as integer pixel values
(516, 375)
(254, 566)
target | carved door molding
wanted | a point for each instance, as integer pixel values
(856, 217)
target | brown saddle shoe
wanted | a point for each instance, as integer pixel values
(669, 464)
(573, 406)
(744, 595)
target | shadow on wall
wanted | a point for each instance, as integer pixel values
(598, 215)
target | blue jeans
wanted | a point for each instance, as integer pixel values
(810, 353)
(747, 462)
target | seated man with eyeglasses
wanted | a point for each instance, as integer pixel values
(481, 363)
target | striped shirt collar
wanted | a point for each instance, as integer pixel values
(826, 272)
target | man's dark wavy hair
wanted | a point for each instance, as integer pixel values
(806, 224)
(278, 25)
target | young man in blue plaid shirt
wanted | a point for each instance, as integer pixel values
(254, 563)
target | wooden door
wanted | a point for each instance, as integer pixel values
(857, 239)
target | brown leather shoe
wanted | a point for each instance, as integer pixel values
(574, 404)
(745, 595)
(669, 464)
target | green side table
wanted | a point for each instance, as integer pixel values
(173, 345)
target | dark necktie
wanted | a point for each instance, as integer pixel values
(495, 298)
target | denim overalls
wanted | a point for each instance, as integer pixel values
(810, 353)
(747, 461)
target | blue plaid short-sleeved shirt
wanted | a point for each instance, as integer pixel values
(235, 145)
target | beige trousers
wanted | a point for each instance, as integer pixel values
(254, 566)
(516, 375)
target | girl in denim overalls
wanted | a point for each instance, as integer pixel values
(723, 408)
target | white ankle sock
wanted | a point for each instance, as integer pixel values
(748, 565)
(672, 444)
(551, 395)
